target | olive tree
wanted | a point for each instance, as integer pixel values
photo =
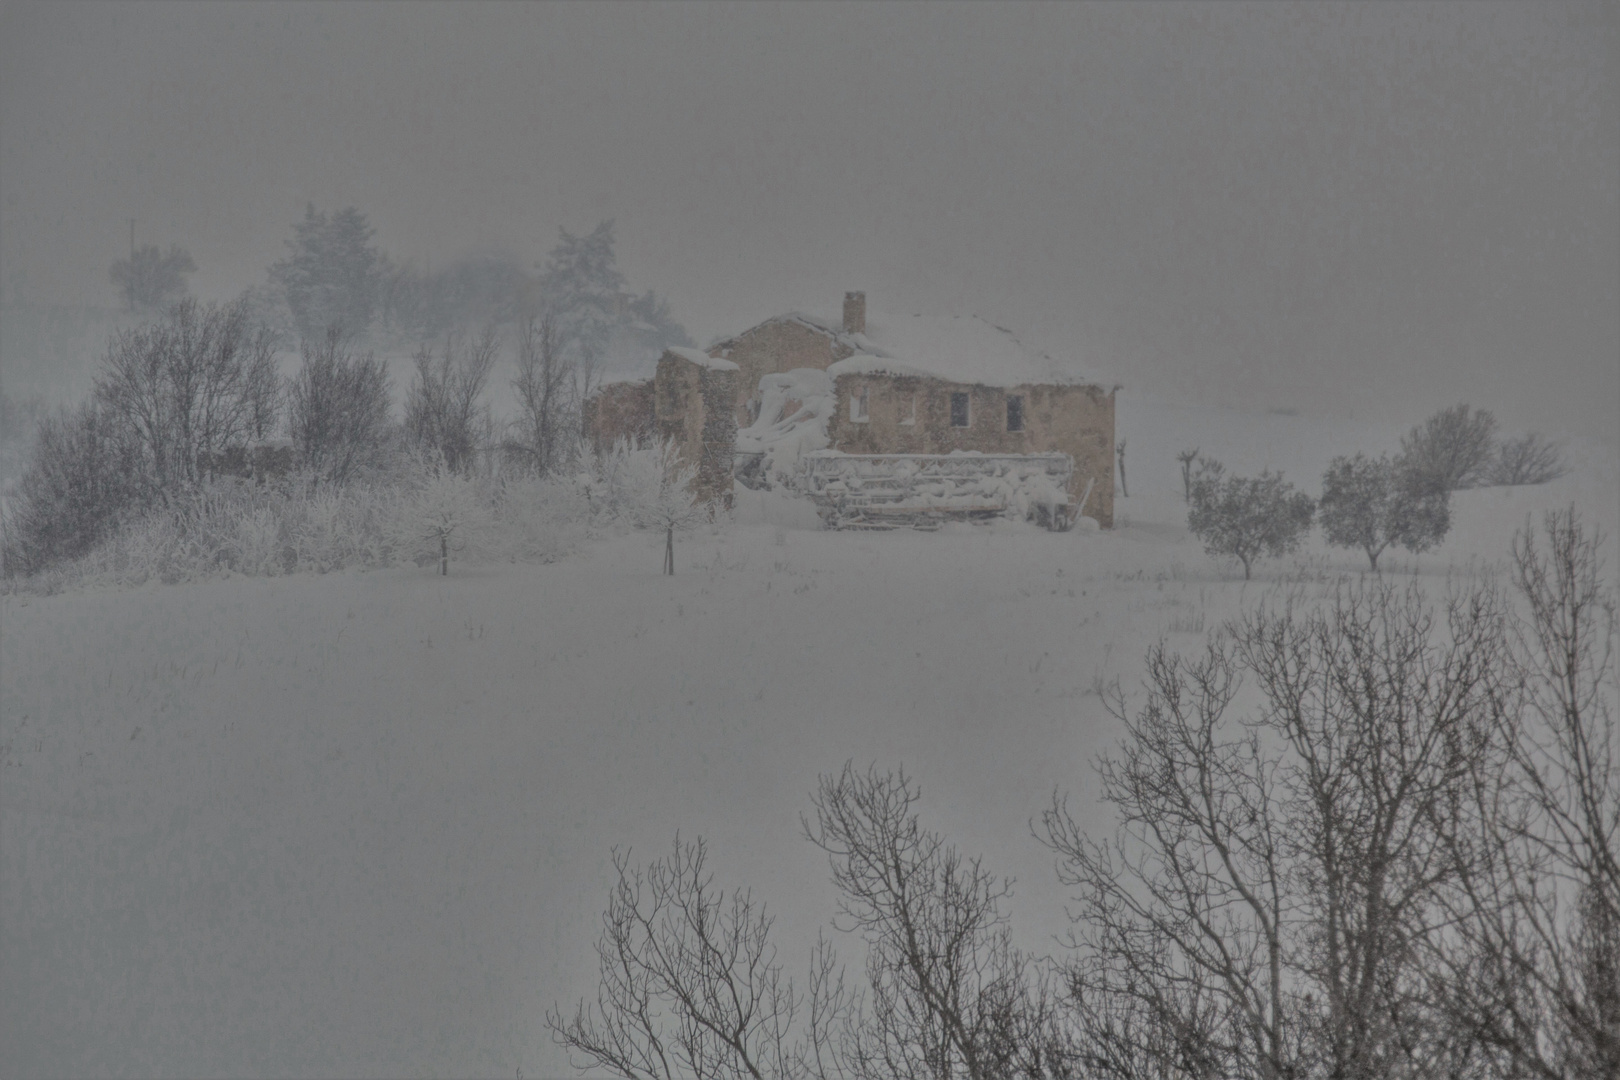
(1373, 504)
(1248, 517)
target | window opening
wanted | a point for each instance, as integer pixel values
(1015, 412)
(910, 414)
(960, 416)
(857, 405)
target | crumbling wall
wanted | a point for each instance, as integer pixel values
(912, 415)
(775, 347)
(695, 409)
(617, 411)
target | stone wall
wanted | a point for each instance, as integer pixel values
(773, 347)
(695, 407)
(912, 415)
(620, 411)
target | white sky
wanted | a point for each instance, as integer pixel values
(1367, 207)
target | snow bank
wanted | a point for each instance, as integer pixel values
(793, 412)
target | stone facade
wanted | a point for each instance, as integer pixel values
(620, 411)
(776, 346)
(695, 408)
(913, 414)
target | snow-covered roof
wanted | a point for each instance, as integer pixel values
(702, 359)
(956, 348)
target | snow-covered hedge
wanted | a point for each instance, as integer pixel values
(234, 527)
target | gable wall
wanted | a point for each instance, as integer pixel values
(774, 347)
(1075, 420)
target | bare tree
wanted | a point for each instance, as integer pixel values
(1119, 452)
(1451, 449)
(262, 385)
(1261, 909)
(185, 387)
(1533, 971)
(691, 985)
(338, 409)
(946, 994)
(443, 416)
(545, 385)
(1529, 459)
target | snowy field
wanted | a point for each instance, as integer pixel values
(360, 824)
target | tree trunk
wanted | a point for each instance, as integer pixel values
(444, 556)
(669, 550)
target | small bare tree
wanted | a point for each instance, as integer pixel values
(1119, 451)
(338, 409)
(262, 388)
(946, 993)
(546, 383)
(443, 416)
(691, 986)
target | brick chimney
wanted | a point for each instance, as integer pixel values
(854, 313)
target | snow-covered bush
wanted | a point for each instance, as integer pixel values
(646, 487)
(539, 519)
(439, 512)
(1371, 504)
(1247, 517)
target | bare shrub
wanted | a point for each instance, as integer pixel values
(1529, 459)
(83, 478)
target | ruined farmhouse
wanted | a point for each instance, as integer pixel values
(894, 384)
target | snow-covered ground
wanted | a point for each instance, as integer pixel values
(360, 824)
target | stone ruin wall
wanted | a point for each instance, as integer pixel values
(696, 409)
(617, 411)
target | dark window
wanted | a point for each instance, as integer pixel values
(959, 410)
(1015, 412)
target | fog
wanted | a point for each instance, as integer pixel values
(1310, 207)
